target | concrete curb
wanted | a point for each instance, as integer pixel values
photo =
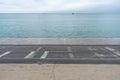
(59, 41)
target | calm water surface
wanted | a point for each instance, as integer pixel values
(59, 26)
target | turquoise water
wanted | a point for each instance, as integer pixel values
(59, 26)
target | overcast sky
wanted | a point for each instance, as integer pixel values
(46, 6)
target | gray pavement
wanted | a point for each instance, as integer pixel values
(60, 54)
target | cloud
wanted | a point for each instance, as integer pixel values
(43, 6)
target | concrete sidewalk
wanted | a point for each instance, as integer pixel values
(59, 72)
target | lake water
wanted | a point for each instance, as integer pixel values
(59, 26)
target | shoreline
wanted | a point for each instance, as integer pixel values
(59, 41)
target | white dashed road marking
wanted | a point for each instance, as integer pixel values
(69, 49)
(71, 55)
(110, 49)
(38, 49)
(31, 54)
(92, 49)
(70, 52)
(8, 52)
(116, 53)
(98, 55)
(44, 55)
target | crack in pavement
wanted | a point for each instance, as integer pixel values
(53, 72)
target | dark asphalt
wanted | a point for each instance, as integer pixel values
(60, 54)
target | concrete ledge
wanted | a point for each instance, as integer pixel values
(62, 61)
(59, 41)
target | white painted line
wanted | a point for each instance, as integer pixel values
(38, 49)
(70, 54)
(110, 49)
(69, 49)
(31, 54)
(92, 49)
(89, 48)
(8, 52)
(116, 53)
(44, 55)
(58, 51)
(98, 55)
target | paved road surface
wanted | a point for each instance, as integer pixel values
(60, 54)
